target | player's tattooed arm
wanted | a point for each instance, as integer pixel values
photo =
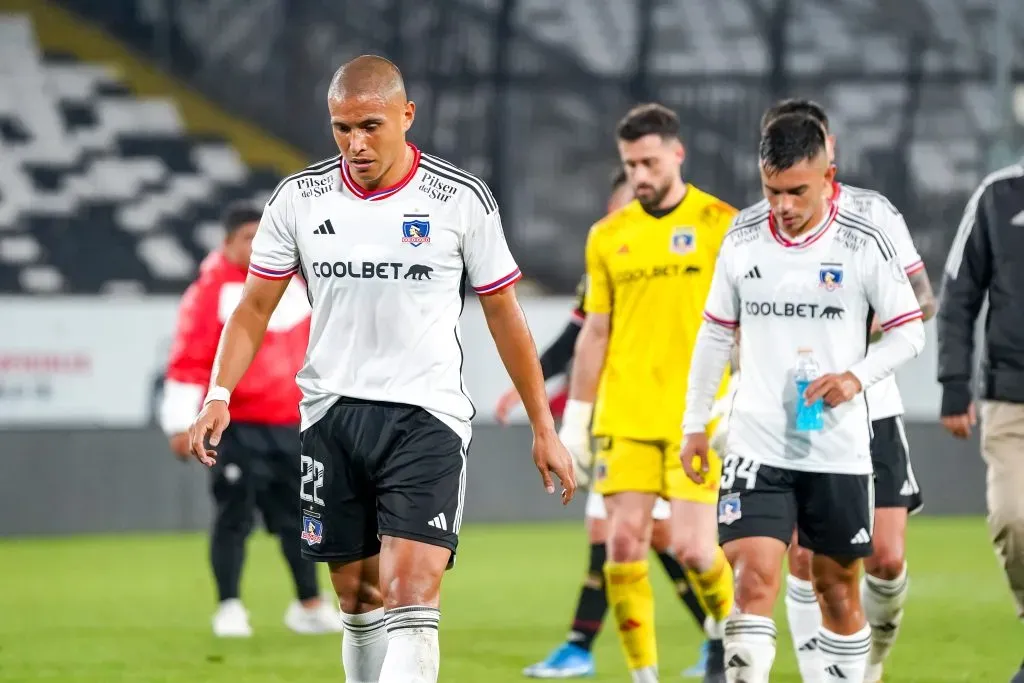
(922, 285)
(926, 299)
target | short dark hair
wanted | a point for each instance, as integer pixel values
(618, 179)
(795, 106)
(648, 119)
(790, 139)
(238, 214)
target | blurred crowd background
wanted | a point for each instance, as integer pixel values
(127, 125)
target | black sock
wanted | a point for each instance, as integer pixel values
(592, 604)
(227, 554)
(303, 570)
(676, 572)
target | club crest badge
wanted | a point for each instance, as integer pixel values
(830, 276)
(312, 530)
(729, 508)
(684, 240)
(415, 229)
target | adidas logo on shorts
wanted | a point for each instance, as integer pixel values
(439, 522)
(861, 537)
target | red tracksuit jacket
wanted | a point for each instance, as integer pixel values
(267, 393)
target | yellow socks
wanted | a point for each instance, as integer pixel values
(714, 588)
(632, 602)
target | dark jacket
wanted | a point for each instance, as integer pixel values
(987, 257)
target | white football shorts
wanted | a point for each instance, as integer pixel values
(596, 509)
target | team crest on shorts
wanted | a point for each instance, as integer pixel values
(600, 470)
(684, 240)
(729, 509)
(312, 530)
(415, 229)
(830, 277)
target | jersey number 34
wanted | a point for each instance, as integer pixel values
(734, 467)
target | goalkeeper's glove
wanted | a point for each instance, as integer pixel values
(575, 435)
(721, 411)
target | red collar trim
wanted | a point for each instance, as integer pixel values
(833, 209)
(380, 192)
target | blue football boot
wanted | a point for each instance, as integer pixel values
(566, 661)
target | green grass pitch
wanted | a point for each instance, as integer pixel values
(137, 608)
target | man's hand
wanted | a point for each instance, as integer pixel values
(212, 422)
(509, 400)
(834, 388)
(695, 446)
(549, 455)
(181, 445)
(575, 435)
(960, 425)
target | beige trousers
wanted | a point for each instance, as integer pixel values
(1002, 447)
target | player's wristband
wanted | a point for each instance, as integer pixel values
(577, 413)
(217, 393)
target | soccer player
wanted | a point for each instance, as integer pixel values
(800, 276)
(885, 583)
(573, 658)
(258, 459)
(648, 272)
(387, 238)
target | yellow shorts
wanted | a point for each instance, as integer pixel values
(623, 464)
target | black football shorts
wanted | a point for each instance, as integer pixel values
(895, 483)
(833, 513)
(372, 469)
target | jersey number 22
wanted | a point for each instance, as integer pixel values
(312, 473)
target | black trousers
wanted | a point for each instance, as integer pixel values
(257, 469)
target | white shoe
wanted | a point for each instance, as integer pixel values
(323, 618)
(873, 673)
(231, 620)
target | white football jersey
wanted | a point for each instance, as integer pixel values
(386, 273)
(816, 292)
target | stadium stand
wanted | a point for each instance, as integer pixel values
(527, 97)
(103, 191)
(907, 83)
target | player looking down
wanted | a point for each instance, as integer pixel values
(573, 658)
(885, 585)
(801, 276)
(385, 414)
(648, 271)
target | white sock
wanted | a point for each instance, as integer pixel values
(883, 606)
(363, 646)
(804, 623)
(844, 658)
(413, 654)
(646, 675)
(749, 648)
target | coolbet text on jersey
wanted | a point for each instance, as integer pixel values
(652, 275)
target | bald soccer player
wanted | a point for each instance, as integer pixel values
(383, 234)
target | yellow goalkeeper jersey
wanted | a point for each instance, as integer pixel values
(652, 274)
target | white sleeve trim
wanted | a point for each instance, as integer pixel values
(181, 403)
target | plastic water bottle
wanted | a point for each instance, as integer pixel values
(809, 418)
